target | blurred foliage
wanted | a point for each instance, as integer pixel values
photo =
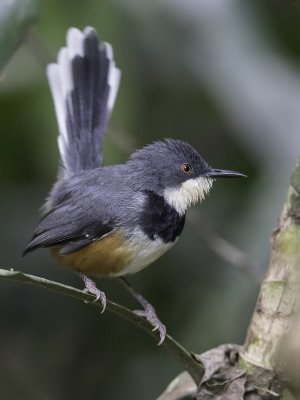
(53, 348)
(15, 18)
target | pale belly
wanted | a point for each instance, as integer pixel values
(144, 252)
(113, 256)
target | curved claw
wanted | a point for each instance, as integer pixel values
(151, 317)
(162, 331)
(139, 313)
(103, 301)
(97, 297)
(100, 295)
(162, 339)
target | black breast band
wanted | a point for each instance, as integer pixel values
(159, 219)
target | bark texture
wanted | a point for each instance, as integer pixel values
(271, 336)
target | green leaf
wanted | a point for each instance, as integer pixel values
(16, 16)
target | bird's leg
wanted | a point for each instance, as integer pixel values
(149, 312)
(91, 287)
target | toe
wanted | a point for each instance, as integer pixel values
(97, 296)
(103, 301)
(162, 332)
(151, 317)
(139, 313)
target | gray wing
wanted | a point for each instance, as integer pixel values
(67, 227)
(84, 84)
(85, 208)
(77, 214)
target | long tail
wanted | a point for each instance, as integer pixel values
(84, 84)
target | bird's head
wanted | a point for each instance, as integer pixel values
(175, 170)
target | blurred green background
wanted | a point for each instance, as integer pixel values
(223, 76)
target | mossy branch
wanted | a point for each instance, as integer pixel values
(182, 355)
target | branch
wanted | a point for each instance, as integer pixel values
(183, 356)
(270, 334)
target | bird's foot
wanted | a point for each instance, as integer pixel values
(150, 314)
(92, 288)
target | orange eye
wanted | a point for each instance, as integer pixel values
(186, 168)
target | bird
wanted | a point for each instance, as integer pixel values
(112, 221)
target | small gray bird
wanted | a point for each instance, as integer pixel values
(112, 221)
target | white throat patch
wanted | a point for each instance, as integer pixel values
(190, 192)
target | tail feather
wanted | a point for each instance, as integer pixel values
(84, 84)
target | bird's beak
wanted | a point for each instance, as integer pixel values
(223, 173)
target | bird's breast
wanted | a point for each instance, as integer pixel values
(159, 220)
(144, 251)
